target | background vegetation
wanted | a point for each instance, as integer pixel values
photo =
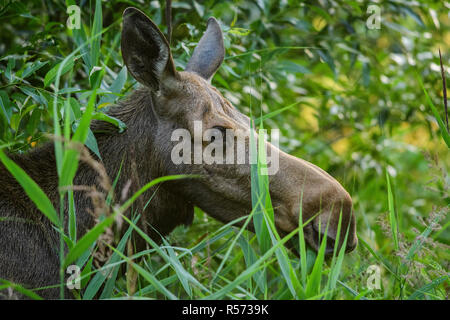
(356, 109)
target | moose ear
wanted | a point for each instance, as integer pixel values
(145, 50)
(209, 53)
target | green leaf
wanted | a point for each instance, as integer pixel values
(85, 274)
(4, 284)
(148, 276)
(392, 213)
(336, 263)
(115, 88)
(184, 277)
(9, 69)
(313, 286)
(170, 258)
(32, 68)
(292, 67)
(250, 258)
(240, 31)
(378, 257)
(102, 275)
(420, 293)
(199, 8)
(72, 222)
(248, 272)
(96, 33)
(87, 240)
(76, 108)
(4, 104)
(259, 189)
(109, 286)
(70, 160)
(51, 75)
(276, 112)
(91, 143)
(445, 134)
(302, 242)
(328, 60)
(96, 76)
(420, 240)
(104, 117)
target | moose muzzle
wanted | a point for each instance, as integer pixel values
(299, 187)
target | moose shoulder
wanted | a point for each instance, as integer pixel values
(168, 100)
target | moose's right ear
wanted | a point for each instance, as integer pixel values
(145, 50)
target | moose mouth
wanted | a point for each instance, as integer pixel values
(293, 243)
(314, 238)
(312, 235)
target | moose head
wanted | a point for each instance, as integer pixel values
(169, 102)
(182, 99)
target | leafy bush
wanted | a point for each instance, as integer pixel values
(345, 97)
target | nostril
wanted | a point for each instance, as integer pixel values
(318, 238)
(333, 215)
(352, 245)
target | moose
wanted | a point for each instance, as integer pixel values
(167, 99)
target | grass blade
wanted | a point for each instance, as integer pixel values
(100, 277)
(420, 293)
(250, 257)
(96, 33)
(313, 285)
(87, 240)
(147, 276)
(4, 284)
(259, 264)
(276, 112)
(392, 213)
(444, 133)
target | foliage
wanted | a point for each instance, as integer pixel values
(363, 104)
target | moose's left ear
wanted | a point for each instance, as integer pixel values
(209, 53)
(145, 50)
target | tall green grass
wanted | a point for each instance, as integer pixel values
(224, 262)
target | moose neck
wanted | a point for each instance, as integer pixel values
(134, 153)
(133, 156)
